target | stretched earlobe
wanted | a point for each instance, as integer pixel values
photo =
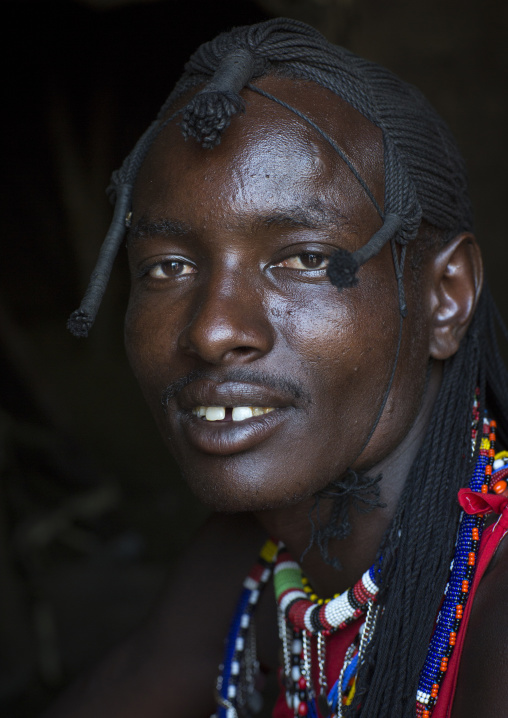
(456, 285)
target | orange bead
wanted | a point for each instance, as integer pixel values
(475, 534)
(499, 487)
(488, 470)
(426, 714)
(493, 423)
(453, 638)
(492, 453)
(465, 586)
(471, 559)
(485, 488)
(458, 611)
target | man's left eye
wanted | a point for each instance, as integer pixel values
(305, 261)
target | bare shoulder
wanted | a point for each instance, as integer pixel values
(482, 687)
(169, 666)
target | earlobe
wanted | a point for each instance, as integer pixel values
(457, 271)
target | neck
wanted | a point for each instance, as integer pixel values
(357, 552)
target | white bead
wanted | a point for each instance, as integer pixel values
(289, 597)
(265, 575)
(369, 583)
(498, 464)
(231, 691)
(307, 620)
(286, 564)
(295, 673)
(239, 643)
(231, 713)
(250, 584)
(235, 668)
(297, 646)
(254, 597)
(245, 620)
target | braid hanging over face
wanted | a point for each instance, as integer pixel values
(425, 179)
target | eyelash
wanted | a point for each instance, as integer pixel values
(146, 271)
(322, 257)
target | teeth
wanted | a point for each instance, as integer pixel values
(215, 413)
(239, 413)
(242, 412)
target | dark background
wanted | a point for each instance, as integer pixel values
(92, 512)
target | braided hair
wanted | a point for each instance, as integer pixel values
(425, 181)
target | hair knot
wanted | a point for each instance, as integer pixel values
(342, 269)
(79, 323)
(209, 112)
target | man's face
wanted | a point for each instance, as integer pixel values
(231, 307)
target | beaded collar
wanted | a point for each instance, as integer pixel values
(304, 618)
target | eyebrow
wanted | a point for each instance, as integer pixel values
(312, 216)
(145, 228)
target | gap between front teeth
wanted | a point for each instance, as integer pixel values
(240, 413)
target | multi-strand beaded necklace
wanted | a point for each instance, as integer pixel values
(302, 616)
(306, 621)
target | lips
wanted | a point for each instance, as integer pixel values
(228, 417)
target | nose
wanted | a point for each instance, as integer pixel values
(229, 324)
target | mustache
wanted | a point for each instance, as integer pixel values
(284, 384)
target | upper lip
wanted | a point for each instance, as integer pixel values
(206, 392)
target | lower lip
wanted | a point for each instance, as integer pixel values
(230, 437)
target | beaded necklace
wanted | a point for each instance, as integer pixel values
(303, 617)
(456, 593)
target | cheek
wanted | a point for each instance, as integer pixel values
(344, 345)
(149, 343)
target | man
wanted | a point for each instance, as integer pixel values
(334, 416)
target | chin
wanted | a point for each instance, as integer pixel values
(238, 495)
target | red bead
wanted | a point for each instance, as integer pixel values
(302, 683)
(303, 709)
(499, 487)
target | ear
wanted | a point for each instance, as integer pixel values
(457, 278)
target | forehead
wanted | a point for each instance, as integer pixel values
(269, 155)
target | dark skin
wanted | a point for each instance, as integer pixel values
(228, 252)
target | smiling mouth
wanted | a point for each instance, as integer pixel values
(230, 413)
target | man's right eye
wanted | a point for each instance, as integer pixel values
(170, 268)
